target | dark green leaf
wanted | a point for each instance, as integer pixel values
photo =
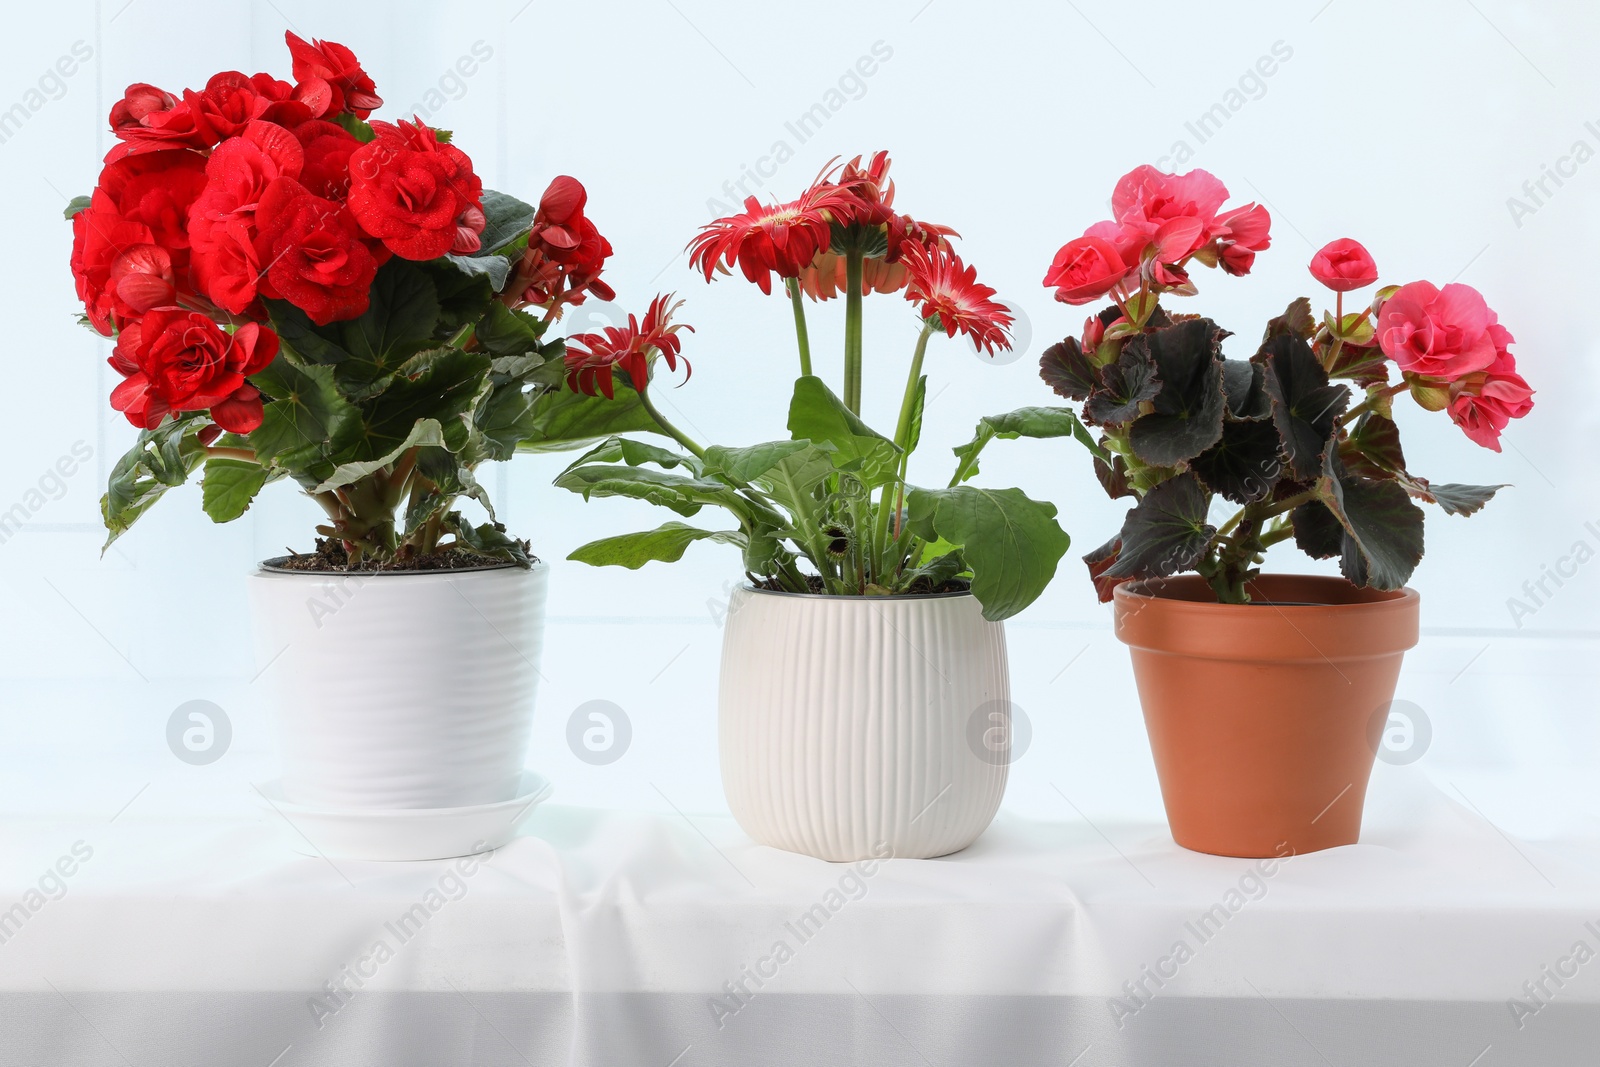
(1010, 543)
(1125, 387)
(1166, 533)
(1066, 369)
(1186, 416)
(424, 433)
(494, 268)
(306, 423)
(1242, 384)
(1245, 464)
(1305, 407)
(505, 219)
(463, 297)
(1372, 448)
(503, 418)
(1316, 532)
(504, 332)
(1383, 528)
(489, 540)
(1297, 321)
(441, 384)
(567, 420)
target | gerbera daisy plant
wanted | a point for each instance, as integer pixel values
(297, 292)
(830, 509)
(1301, 436)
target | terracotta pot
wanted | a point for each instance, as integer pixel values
(1265, 718)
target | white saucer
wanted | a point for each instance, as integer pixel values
(403, 833)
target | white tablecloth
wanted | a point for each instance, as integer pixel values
(616, 939)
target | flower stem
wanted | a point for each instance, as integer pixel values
(1368, 404)
(801, 334)
(672, 431)
(223, 452)
(902, 431)
(889, 500)
(852, 330)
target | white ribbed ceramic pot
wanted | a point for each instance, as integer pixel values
(848, 724)
(401, 689)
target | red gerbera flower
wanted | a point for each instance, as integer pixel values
(870, 204)
(780, 237)
(950, 289)
(592, 356)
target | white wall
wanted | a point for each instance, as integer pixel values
(1406, 126)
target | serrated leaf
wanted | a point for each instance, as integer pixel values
(1124, 387)
(1245, 464)
(505, 219)
(228, 487)
(1166, 533)
(160, 459)
(1242, 386)
(1068, 370)
(424, 433)
(496, 268)
(1453, 497)
(489, 540)
(1372, 448)
(1186, 416)
(1305, 407)
(442, 385)
(1297, 321)
(1383, 528)
(305, 420)
(504, 332)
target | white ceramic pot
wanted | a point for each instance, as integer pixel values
(848, 724)
(402, 689)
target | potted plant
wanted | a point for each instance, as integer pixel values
(868, 640)
(1264, 694)
(299, 294)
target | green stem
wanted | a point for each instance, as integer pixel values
(902, 430)
(224, 452)
(893, 492)
(800, 331)
(672, 431)
(1370, 403)
(852, 329)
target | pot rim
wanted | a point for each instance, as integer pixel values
(1148, 589)
(891, 599)
(270, 566)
